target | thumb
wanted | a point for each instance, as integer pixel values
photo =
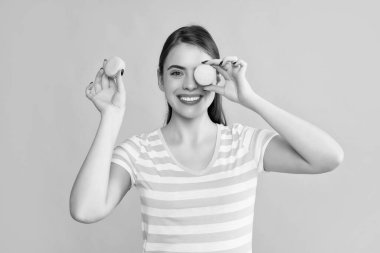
(120, 83)
(214, 88)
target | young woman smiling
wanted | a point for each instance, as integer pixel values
(196, 175)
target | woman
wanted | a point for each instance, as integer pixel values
(196, 175)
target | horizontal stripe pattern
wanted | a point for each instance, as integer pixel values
(189, 212)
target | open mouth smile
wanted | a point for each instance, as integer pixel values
(189, 100)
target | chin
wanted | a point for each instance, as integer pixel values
(190, 113)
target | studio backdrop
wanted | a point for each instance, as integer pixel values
(318, 60)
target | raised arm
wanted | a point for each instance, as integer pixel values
(300, 146)
(89, 198)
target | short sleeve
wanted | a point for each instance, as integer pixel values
(257, 140)
(124, 155)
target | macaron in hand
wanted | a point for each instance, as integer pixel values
(113, 65)
(205, 75)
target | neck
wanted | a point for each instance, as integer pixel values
(189, 131)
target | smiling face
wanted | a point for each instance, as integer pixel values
(178, 79)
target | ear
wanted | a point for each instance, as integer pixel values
(160, 80)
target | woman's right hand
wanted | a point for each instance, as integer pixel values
(107, 94)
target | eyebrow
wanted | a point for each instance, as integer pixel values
(176, 66)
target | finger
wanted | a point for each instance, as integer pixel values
(228, 59)
(119, 82)
(97, 87)
(220, 81)
(94, 89)
(243, 65)
(213, 61)
(104, 63)
(214, 88)
(98, 76)
(222, 71)
(105, 82)
(88, 90)
(113, 85)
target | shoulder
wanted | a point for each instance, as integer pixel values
(251, 135)
(239, 135)
(240, 130)
(233, 128)
(243, 129)
(234, 131)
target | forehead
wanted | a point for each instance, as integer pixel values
(186, 55)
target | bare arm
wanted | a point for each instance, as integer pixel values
(301, 147)
(89, 193)
(88, 198)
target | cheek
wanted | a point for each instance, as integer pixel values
(172, 83)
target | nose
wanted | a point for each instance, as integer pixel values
(190, 83)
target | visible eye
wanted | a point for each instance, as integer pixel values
(176, 73)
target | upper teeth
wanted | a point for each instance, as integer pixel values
(189, 98)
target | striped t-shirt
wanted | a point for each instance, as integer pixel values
(189, 211)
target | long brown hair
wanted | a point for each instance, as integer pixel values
(198, 36)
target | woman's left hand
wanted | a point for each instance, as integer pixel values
(236, 87)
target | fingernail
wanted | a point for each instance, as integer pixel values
(205, 61)
(122, 71)
(220, 64)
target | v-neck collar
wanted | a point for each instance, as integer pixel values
(194, 172)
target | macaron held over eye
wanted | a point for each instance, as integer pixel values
(113, 65)
(205, 75)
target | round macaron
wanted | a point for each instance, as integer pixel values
(113, 65)
(205, 74)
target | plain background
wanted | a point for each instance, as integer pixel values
(318, 60)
